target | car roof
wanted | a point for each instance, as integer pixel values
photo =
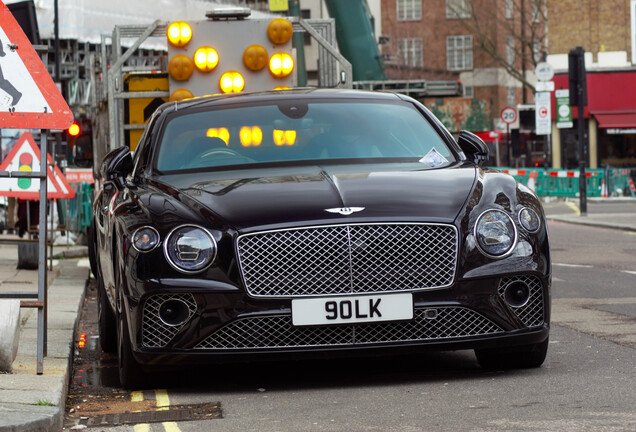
(277, 95)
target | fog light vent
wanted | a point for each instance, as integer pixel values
(524, 296)
(164, 315)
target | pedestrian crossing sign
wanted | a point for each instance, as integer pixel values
(29, 99)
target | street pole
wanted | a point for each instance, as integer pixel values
(582, 153)
(298, 42)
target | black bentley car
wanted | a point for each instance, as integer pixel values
(303, 223)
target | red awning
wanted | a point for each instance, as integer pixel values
(616, 120)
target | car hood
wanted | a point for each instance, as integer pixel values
(300, 195)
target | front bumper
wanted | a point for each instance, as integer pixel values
(226, 325)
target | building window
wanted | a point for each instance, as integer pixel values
(510, 97)
(535, 13)
(510, 50)
(410, 52)
(536, 51)
(510, 7)
(409, 10)
(457, 9)
(469, 92)
(459, 52)
(306, 14)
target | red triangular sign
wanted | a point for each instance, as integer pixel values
(29, 98)
(25, 157)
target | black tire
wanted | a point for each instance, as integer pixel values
(521, 357)
(131, 374)
(106, 320)
(92, 249)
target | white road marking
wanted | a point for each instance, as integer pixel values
(629, 272)
(572, 265)
(84, 263)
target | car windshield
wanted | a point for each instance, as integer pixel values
(293, 132)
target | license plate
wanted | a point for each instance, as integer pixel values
(352, 309)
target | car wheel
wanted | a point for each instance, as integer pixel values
(106, 320)
(131, 374)
(525, 356)
(92, 249)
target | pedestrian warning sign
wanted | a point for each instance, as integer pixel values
(29, 98)
(25, 157)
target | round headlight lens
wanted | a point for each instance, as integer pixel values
(529, 220)
(495, 233)
(189, 248)
(145, 239)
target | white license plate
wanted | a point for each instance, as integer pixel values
(352, 309)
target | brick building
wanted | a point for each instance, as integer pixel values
(606, 29)
(492, 46)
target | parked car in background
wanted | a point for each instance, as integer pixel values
(289, 223)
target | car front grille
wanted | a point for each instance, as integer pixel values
(277, 331)
(154, 332)
(532, 313)
(344, 259)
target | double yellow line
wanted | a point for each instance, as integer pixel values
(163, 404)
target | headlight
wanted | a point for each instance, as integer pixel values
(529, 220)
(145, 239)
(190, 249)
(496, 233)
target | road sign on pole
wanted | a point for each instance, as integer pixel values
(25, 157)
(29, 98)
(509, 115)
(543, 118)
(564, 110)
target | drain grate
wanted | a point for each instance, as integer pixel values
(176, 413)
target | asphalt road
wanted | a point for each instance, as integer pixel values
(588, 381)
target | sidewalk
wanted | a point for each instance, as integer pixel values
(31, 402)
(620, 221)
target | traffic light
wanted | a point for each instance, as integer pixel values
(576, 76)
(229, 55)
(80, 142)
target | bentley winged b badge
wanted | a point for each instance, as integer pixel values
(345, 211)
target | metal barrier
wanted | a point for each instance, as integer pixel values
(79, 208)
(565, 183)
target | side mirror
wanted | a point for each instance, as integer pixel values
(117, 165)
(473, 147)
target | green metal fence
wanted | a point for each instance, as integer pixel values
(565, 183)
(79, 208)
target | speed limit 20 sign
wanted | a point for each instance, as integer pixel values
(509, 115)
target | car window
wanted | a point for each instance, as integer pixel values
(299, 131)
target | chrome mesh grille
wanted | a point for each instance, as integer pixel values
(532, 313)
(154, 332)
(278, 331)
(348, 259)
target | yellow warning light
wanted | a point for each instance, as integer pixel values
(251, 136)
(206, 58)
(281, 65)
(179, 33)
(255, 57)
(281, 88)
(284, 137)
(181, 94)
(180, 67)
(280, 31)
(222, 133)
(231, 82)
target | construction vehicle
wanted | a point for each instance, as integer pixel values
(256, 53)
